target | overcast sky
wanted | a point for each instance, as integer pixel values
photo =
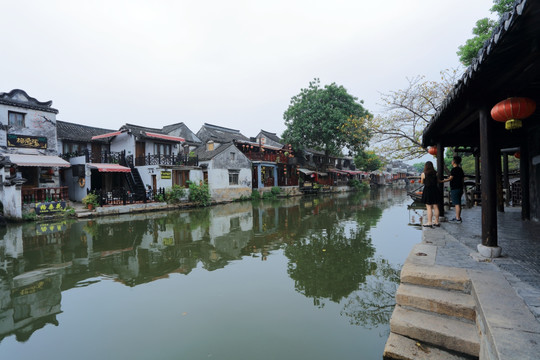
(230, 63)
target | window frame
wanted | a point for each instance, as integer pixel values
(22, 123)
(234, 177)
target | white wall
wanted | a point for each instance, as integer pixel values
(37, 123)
(122, 142)
(12, 201)
(218, 175)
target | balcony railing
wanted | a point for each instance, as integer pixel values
(266, 156)
(110, 157)
(102, 157)
(34, 195)
(184, 160)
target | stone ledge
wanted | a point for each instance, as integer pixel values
(442, 277)
(402, 348)
(437, 301)
(446, 333)
(508, 325)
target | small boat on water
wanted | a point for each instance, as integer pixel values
(416, 194)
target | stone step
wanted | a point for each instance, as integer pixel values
(402, 348)
(443, 332)
(442, 277)
(450, 303)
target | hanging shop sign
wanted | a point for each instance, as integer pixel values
(26, 141)
(165, 174)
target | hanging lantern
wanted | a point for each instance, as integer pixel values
(517, 154)
(432, 150)
(512, 110)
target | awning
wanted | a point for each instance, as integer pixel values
(338, 172)
(309, 172)
(306, 171)
(109, 167)
(38, 160)
(165, 137)
(107, 135)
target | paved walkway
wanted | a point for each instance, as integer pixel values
(520, 242)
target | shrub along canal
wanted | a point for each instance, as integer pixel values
(298, 278)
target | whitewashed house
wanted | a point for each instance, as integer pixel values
(226, 169)
(31, 168)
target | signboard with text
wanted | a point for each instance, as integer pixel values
(50, 207)
(165, 174)
(26, 141)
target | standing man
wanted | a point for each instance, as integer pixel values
(456, 179)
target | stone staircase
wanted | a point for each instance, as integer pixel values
(435, 316)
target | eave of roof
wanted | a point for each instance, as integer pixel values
(460, 102)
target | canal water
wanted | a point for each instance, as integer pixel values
(298, 278)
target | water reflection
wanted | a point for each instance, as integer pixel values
(325, 239)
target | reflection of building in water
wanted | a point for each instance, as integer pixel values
(230, 230)
(29, 302)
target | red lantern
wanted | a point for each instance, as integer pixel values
(432, 150)
(512, 110)
(517, 155)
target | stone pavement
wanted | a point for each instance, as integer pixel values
(444, 274)
(520, 243)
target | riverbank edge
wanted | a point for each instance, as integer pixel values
(80, 210)
(505, 326)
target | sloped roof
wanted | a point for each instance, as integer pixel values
(182, 130)
(219, 134)
(271, 136)
(144, 132)
(76, 132)
(20, 98)
(507, 65)
(204, 154)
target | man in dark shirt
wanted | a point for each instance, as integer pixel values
(456, 179)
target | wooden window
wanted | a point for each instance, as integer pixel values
(233, 177)
(16, 119)
(181, 178)
(162, 149)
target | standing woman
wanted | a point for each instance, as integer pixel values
(430, 195)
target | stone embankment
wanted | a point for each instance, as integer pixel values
(467, 311)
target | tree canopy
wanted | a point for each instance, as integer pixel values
(326, 118)
(367, 160)
(482, 32)
(397, 131)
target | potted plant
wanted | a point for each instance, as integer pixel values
(91, 201)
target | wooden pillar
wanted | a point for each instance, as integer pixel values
(524, 180)
(488, 180)
(498, 182)
(506, 179)
(477, 171)
(440, 176)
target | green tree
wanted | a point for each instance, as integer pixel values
(327, 119)
(367, 160)
(482, 32)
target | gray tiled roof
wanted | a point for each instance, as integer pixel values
(76, 132)
(507, 22)
(204, 154)
(271, 136)
(20, 98)
(219, 134)
(181, 129)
